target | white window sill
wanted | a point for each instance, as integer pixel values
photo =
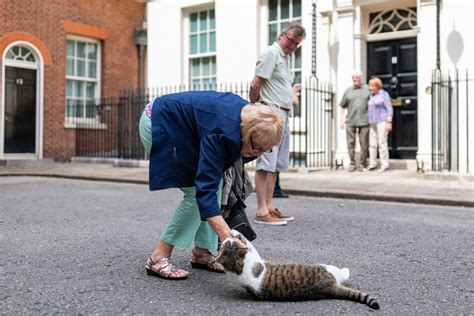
(85, 125)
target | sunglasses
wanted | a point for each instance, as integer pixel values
(259, 149)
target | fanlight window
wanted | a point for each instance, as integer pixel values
(21, 53)
(392, 20)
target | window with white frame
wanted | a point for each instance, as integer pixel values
(82, 78)
(281, 13)
(202, 50)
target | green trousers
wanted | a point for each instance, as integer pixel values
(185, 225)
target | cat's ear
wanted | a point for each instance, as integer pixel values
(242, 239)
(241, 247)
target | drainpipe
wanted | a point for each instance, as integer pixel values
(438, 58)
(140, 38)
(313, 68)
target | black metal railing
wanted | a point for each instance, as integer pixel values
(450, 119)
(111, 131)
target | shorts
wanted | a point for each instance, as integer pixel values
(278, 160)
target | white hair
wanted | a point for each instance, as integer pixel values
(357, 73)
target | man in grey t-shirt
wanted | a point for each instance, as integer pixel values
(272, 84)
(354, 117)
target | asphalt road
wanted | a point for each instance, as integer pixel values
(79, 247)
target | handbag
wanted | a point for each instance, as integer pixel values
(237, 219)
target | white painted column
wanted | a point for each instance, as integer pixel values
(236, 40)
(343, 52)
(426, 63)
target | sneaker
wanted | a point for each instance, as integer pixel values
(384, 169)
(276, 213)
(268, 219)
(361, 169)
(372, 167)
(351, 168)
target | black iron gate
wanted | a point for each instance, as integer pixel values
(450, 119)
(114, 131)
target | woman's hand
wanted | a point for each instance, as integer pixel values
(220, 227)
(388, 127)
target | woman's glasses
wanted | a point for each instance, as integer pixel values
(259, 149)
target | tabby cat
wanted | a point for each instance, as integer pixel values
(288, 282)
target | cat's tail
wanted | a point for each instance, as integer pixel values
(343, 292)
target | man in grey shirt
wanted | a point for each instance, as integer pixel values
(272, 84)
(354, 117)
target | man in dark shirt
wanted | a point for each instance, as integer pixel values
(355, 118)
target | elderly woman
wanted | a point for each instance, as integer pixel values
(192, 137)
(380, 120)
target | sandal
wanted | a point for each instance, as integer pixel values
(206, 262)
(164, 271)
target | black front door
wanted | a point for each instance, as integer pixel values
(394, 62)
(20, 111)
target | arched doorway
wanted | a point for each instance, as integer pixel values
(20, 133)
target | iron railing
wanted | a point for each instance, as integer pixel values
(450, 119)
(111, 128)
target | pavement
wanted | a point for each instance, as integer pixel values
(397, 185)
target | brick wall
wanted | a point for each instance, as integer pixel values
(45, 21)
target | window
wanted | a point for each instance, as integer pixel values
(82, 78)
(20, 53)
(202, 50)
(392, 20)
(281, 13)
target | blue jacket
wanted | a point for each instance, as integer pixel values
(196, 136)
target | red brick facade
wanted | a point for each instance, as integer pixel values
(46, 25)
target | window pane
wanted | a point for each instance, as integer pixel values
(68, 88)
(203, 43)
(273, 8)
(284, 9)
(213, 66)
(194, 18)
(297, 76)
(92, 51)
(68, 107)
(194, 44)
(70, 48)
(90, 109)
(70, 67)
(81, 50)
(296, 8)
(92, 69)
(206, 84)
(205, 66)
(283, 25)
(212, 41)
(90, 90)
(212, 20)
(79, 88)
(29, 56)
(272, 33)
(81, 68)
(16, 50)
(196, 84)
(195, 68)
(203, 20)
(77, 108)
(297, 55)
